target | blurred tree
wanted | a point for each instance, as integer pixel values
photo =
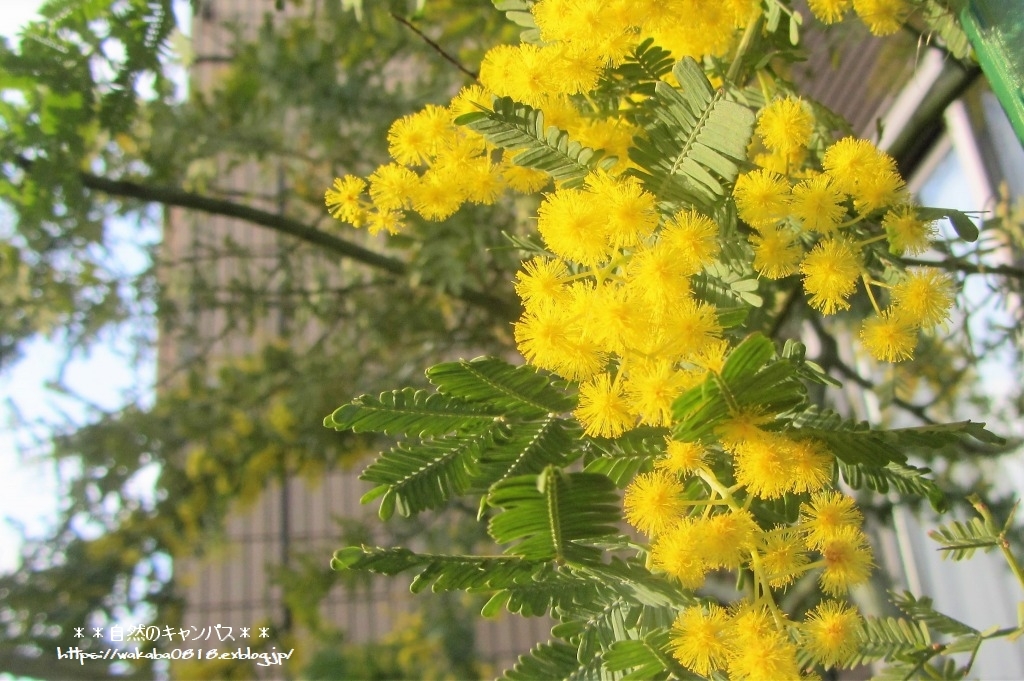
(95, 139)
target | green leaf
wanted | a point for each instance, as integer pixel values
(528, 448)
(553, 514)
(515, 126)
(921, 609)
(427, 474)
(552, 661)
(904, 478)
(889, 638)
(773, 388)
(694, 148)
(746, 358)
(644, 659)
(620, 459)
(964, 226)
(960, 540)
(441, 572)
(411, 412)
(506, 389)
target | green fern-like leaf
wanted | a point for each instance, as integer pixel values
(442, 572)
(960, 540)
(419, 476)
(773, 387)
(411, 412)
(518, 12)
(908, 480)
(697, 144)
(623, 457)
(528, 448)
(922, 610)
(510, 390)
(890, 638)
(638, 74)
(552, 515)
(519, 127)
(648, 658)
(555, 661)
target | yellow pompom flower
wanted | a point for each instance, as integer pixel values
(436, 196)
(541, 282)
(786, 125)
(547, 342)
(877, 190)
(392, 186)
(777, 253)
(693, 237)
(389, 221)
(889, 337)
(728, 538)
(677, 553)
(629, 211)
(654, 501)
(686, 331)
(609, 317)
(572, 228)
(711, 357)
(344, 200)
(612, 135)
(883, 17)
(415, 139)
(762, 466)
(850, 159)
(829, 11)
(480, 181)
(783, 555)
(831, 632)
(742, 427)
(603, 410)
(759, 651)
(924, 297)
(521, 179)
(681, 457)
(906, 232)
(699, 638)
(818, 204)
(658, 278)
(469, 100)
(762, 197)
(827, 514)
(848, 561)
(651, 388)
(830, 274)
(810, 465)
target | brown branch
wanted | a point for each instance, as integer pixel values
(171, 196)
(176, 197)
(440, 50)
(957, 265)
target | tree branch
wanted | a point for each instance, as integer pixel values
(172, 196)
(450, 59)
(956, 265)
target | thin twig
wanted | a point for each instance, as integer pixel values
(440, 50)
(966, 267)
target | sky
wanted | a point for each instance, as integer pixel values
(30, 487)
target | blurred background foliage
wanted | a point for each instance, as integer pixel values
(100, 135)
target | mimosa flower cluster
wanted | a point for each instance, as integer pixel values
(612, 303)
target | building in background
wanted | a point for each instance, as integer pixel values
(887, 91)
(236, 583)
